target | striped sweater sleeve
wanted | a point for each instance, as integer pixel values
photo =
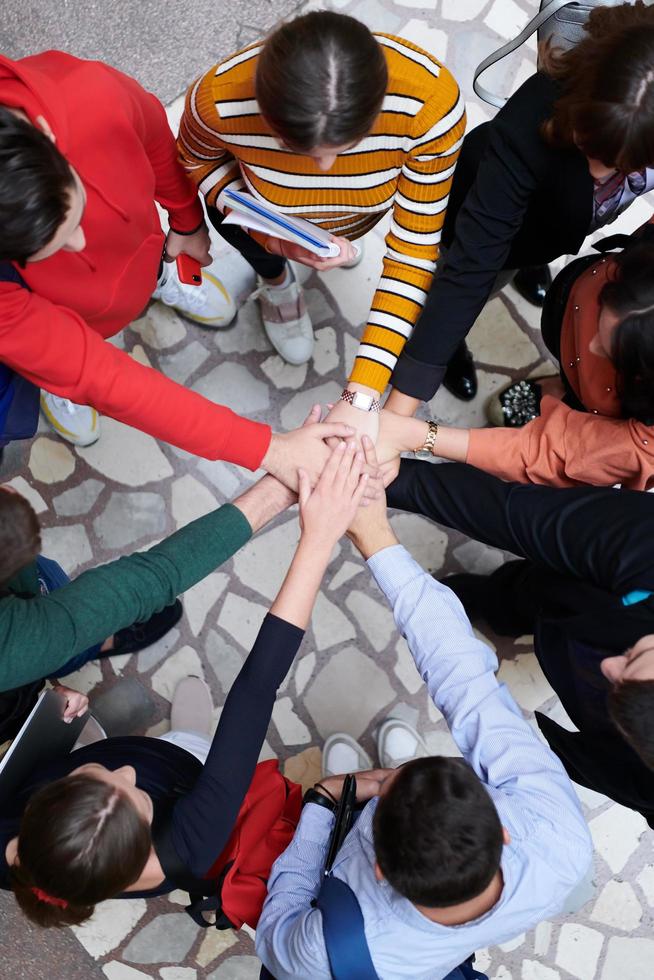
(412, 244)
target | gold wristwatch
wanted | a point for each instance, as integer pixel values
(427, 448)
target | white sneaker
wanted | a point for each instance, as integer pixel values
(286, 320)
(192, 707)
(341, 754)
(78, 424)
(398, 742)
(353, 263)
(210, 304)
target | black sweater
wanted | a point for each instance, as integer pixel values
(208, 798)
(515, 201)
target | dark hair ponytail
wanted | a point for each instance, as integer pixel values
(81, 841)
(630, 295)
(20, 535)
(321, 80)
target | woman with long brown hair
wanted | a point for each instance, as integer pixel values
(570, 150)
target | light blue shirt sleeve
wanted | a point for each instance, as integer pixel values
(289, 938)
(485, 722)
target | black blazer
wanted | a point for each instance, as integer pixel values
(515, 201)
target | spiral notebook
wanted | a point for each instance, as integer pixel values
(250, 213)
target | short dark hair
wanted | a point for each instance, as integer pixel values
(607, 105)
(321, 80)
(35, 185)
(81, 841)
(631, 707)
(629, 294)
(20, 535)
(437, 835)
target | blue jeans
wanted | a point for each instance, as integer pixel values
(52, 577)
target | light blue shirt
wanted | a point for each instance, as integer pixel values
(550, 847)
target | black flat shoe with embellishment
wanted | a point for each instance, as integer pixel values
(515, 405)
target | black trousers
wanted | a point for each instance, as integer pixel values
(266, 265)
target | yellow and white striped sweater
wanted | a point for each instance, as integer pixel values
(405, 163)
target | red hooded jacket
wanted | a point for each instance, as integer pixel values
(116, 136)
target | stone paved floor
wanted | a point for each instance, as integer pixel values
(127, 492)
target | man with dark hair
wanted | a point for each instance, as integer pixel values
(448, 855)
(584, 586)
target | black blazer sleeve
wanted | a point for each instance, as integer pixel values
(516, 161)
(203, 820)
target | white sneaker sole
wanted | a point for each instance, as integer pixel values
(216, 323)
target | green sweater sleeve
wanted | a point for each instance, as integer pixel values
(38, 635)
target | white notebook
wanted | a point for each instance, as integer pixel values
(250, 213)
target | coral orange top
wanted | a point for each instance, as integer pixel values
(564, 447)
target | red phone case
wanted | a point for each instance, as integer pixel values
(189, 270)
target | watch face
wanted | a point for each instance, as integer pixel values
(362, 401)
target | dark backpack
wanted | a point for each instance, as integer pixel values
(19, 398)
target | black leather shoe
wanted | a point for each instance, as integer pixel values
(461, 377)
(141, 635)
(532, 283)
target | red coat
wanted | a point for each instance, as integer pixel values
(116, 136)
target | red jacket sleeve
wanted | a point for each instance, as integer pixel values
(566, 448)
(174, 191)
(54, 348)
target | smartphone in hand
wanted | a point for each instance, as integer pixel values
(189, 270)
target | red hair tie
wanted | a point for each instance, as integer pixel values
(42, 896)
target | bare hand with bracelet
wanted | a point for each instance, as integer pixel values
(402, 434)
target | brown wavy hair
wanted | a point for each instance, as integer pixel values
(607, 105)
(81, 841)
(20, 535)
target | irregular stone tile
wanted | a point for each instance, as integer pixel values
(184, 663)
(246, 335)
(350, 348)
(68, 545)
(220, 474)
(119, 663)
(451, 411)
(339, 707)
(84, 679)
(478, 558)
(148, 658)
(347, 571)
(178, 973)
(325, 354)
(533, 970)
(497, 339)
(120, 971)
(426, 37)
(190, 500)
(232, 384)
(160, 327)
(589, 797)
(373, 13)
(237, 968)
(627, 958)
(283, 375)
(502, 974)
(319, 310)
(617, 906)
(329, 624)
(505, 18)
(441, 743)
(296, 410)
(126, 455)
(292, 729)
(303, 672)
(166, 939)
(79, 499)
(266, 752)
(616, 834)
(426, 543)
(405, 669)
(578, 950)
(128, 517)
(51, 461)
(542, 938)
(138, 354)
(110, 924)
(405, 712)
(36, 501)
(512, 944)
(178, 897)
(305, 767)
(525, 680)
(484, 639)
(432, 711)
(646, 881)
(224, 659)
(161, 728)
(465, 10)
(184, 362)
(241, 619)
(215, 943)
(263, 562)
(375, 620)
(527, 640)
